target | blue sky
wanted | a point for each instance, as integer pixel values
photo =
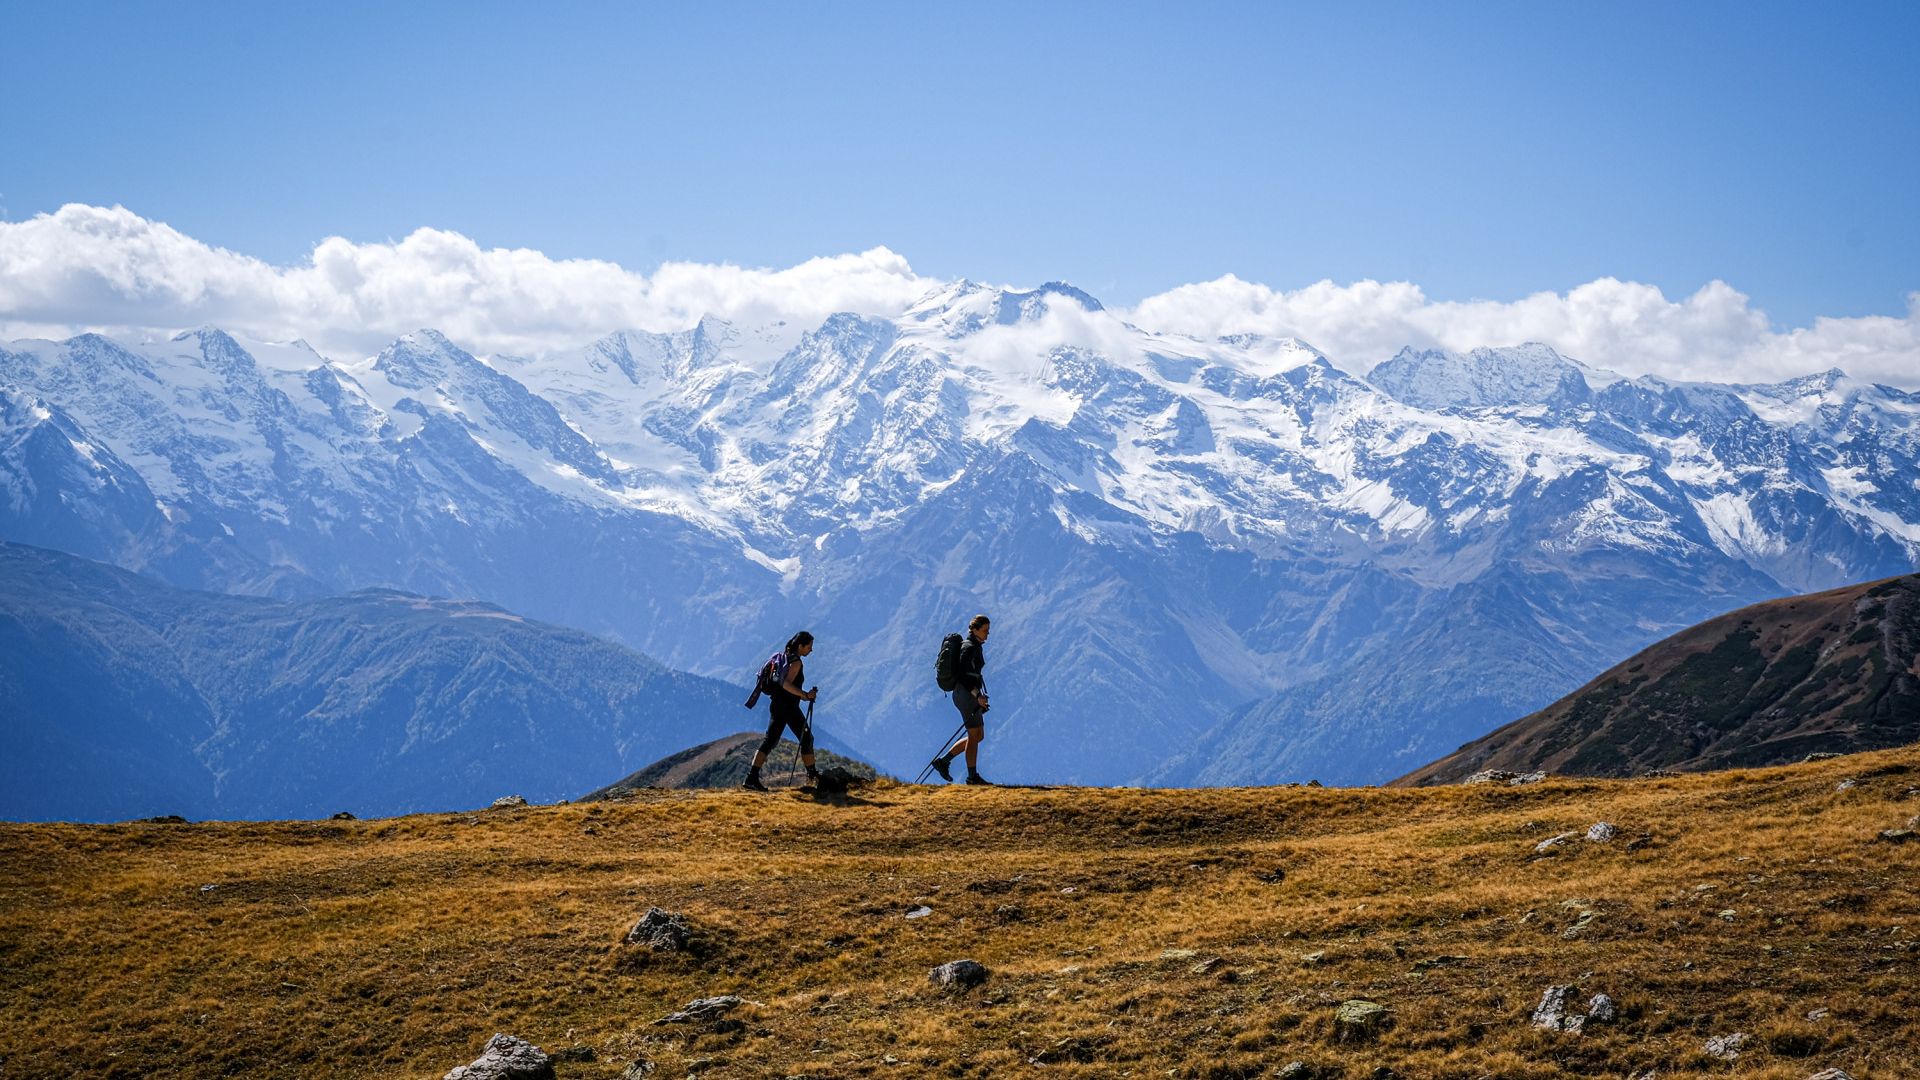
(1481, 151)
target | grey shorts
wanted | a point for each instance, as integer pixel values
(970, 712)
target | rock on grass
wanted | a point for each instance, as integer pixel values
(1552, 842)
(958, 974)
(704, 1010)
(1726, 1047)
(659, 930)
(1551, 1014)
(1554, 1014)
(1359, 1021)
(506, 1057)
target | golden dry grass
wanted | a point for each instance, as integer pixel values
(1157, 933)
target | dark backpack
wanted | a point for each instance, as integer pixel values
(771, 675)
(946, 668)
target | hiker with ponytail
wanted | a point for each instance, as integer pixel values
(782, 679)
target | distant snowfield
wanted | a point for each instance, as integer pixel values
(740, 429)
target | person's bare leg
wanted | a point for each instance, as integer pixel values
(759, 759)
(974, 735)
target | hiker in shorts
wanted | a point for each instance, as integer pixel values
(970, 697)
(783, 703)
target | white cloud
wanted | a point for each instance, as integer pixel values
(86, 267)
(1715, 334)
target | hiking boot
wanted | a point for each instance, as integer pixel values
(976, 778)
(940, 766)
(752, 783)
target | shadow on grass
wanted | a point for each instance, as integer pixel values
(831, 798)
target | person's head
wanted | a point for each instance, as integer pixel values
(800, 644)
(979, 627)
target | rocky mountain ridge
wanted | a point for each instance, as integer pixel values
(1829, 673)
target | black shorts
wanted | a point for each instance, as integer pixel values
(970, 713)
(786, 715)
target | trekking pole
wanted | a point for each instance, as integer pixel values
(796, 750)
(951, 739)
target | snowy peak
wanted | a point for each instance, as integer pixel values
(1265, 357)
(1312, 372)
(1012, 308)
(61, 487)
(1530, 374)
(236, 359)
(967, 307)
(1057, 289)
(709, 340)
(425, 374)
(422, 359)
(929, 307)
(1802, 399)
(225, 359)
(20, 413)
(1819, 383)
(87, 360)
(639, 356)
(214, 342)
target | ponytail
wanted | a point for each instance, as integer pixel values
(797, 640)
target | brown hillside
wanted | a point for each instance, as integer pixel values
(1129, 933)
(1834, 672)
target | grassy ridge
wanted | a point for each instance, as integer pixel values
(1157, 932)
(1829, 672)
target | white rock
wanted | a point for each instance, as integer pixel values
(1727, 1047)
(1552, 842)
(1552, 1015)
(506, 1058)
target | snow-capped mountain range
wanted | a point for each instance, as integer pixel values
(1207, 561)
